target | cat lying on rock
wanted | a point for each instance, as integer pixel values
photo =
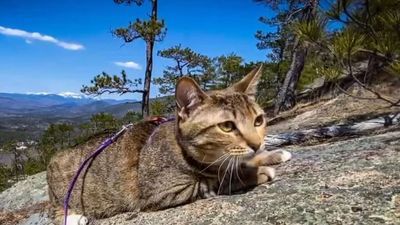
(215, 146)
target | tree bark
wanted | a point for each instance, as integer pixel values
(147, 79)
(180, 68)
(286, 97)
(149, 65)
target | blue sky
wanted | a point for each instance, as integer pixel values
(78, 44)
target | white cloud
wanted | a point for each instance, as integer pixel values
(129, 64)
(31, 36)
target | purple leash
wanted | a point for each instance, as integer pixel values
(104, 145)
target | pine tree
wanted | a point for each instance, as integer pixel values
(369, 32)
(150, 31)
(186, 63)
(277, 41)
(297, 10)
(229, 70)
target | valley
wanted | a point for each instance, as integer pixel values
(25, 116)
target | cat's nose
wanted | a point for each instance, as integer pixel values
(255, 146)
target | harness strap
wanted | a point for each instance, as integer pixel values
(156, 120)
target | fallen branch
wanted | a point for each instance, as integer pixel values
(297, 137)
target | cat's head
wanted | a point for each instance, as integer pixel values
(214, 125)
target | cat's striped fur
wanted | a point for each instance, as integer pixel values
(215, 146)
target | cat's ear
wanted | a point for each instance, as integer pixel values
(248, 84)
(188, 96)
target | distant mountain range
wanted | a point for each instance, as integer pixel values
(29, 114)
(59, 105)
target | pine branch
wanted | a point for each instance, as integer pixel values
(363, 85)
(351, 95)
(106, 84)
(356, 21)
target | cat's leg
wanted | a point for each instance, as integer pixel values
(267, 158)
(172, 188)
(258, 166)
(207, 188)
(72, 218)
(246, 176)
(257, 175)
(265, 174)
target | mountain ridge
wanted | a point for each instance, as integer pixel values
(28, 115)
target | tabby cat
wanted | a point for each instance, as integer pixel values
(215, 146)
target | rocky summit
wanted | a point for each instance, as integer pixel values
(354, 181)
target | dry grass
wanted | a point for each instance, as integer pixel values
(339, 109)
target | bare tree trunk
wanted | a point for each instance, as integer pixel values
(147, 79)
(278, 68)
(286, 97)
(149, 65)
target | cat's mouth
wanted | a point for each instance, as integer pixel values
(242, 152)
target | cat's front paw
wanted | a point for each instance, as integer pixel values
(267, 158)
(207, 190)
(75, 219)
(284, 155)
(265, 174)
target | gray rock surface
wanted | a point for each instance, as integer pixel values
(348, 182)
(37, 219)
(355, 181)
(25, 193)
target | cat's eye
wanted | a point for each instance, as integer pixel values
(259, 120)
(227, 126)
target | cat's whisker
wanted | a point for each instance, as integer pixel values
(240, 168)
(207, 162)
(212, 163)
(219, 168)
(237, 170)
(223, 178)
(230, 175)
(202, 161)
